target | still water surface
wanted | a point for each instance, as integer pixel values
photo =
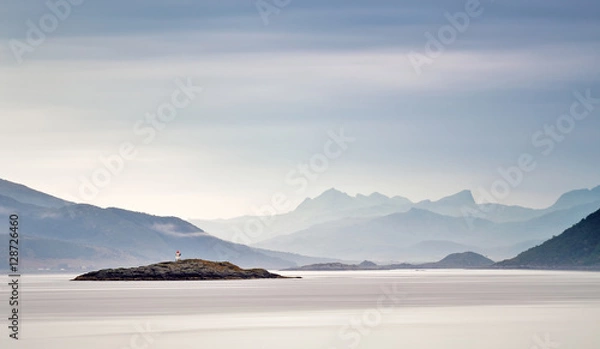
(442, 309)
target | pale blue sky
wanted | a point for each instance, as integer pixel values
(273, 92)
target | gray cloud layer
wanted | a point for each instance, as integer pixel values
(273, 92)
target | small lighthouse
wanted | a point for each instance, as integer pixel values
(177, 256)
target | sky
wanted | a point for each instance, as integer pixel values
(206, 109)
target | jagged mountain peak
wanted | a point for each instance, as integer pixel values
(329, 198)
(333, 192)
(464, 197)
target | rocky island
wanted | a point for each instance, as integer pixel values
(189, 269)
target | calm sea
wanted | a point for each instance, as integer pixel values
(443, 309)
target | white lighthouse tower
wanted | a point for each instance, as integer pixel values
(177, 256)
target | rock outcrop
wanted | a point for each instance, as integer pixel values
(189, 269)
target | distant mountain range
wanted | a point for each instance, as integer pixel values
(419, 235)
(577, 247)
(334, 205)
(430, 230)
(59, 234)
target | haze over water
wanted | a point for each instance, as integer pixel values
(382, 309)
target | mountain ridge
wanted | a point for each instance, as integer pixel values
(403, 235)
(578, 246)
(83, 235)
(334, 204)
(31, 196)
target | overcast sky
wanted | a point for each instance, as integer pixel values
(276, 85)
